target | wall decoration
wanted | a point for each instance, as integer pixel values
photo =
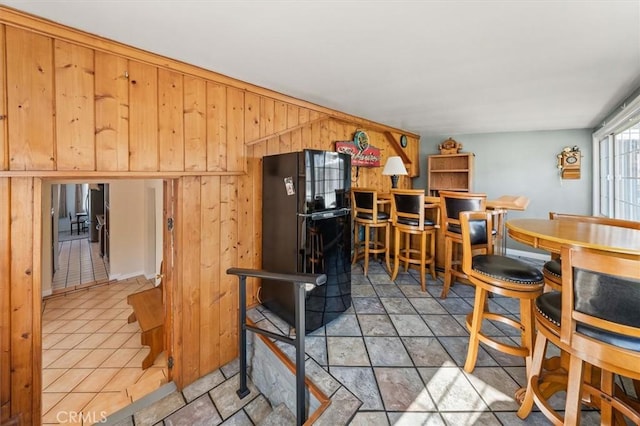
(568, 162)
(362, 154)
(449, 147)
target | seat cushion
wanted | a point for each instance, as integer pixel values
(368, 216)
(414, 222)
(554, 267)
(506, 269)
(550, 306)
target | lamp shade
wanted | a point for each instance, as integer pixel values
(394, 166)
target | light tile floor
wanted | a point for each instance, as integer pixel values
(80, 264)
(91, 356)
(397, 355)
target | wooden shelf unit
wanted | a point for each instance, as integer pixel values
(452, 172)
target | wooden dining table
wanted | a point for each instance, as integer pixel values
(551, 235)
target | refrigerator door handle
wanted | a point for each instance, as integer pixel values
(326, 214)
(330, 213)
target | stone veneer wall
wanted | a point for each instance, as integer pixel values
(272, 377)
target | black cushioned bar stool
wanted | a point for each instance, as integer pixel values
(595, 321)
(408, 218)
(501, 275)
(364, 203)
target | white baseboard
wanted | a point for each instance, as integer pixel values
(120, 277)
(529, 254)
(46, 293)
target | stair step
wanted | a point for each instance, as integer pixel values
(151, 382)
(281, 416)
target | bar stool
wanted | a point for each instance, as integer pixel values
(407, 218)
(364, 203)
(452, 203)
(498, 275)
(594, 321)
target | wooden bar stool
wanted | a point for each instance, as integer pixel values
(498, 275)
(364, 203)
(407, 218)
(451, 204)
(594, 320)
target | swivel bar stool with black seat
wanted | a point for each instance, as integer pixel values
(595, 321)
(451, 204)
(500, 275)
(364, 202)
(407, 219)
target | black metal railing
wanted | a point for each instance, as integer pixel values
(301, 283)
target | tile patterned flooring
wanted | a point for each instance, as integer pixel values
(80, 265)
(394, 358)
(91, 357)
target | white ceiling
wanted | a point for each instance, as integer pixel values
(432, 67)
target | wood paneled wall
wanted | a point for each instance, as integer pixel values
(77, 106)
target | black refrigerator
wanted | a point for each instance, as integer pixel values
(306, 228)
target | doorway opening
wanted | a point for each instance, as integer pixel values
(91, 354)
(79, 255)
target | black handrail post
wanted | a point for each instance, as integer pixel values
(242, 337)
(301, 413)
(300, 282)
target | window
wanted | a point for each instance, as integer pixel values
(617, 184)
(627, 177)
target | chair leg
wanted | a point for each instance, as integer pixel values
(366, 249)
(423, 260)
(606, 410)
(474, 330)
(574, 391)
(448, 259)
(387, 230)
(407, 247)
(396, 252)
(356, 239)
(535, 372)
(528, 336)
(432, 252)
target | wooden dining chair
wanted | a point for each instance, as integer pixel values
(408, 219)
(595, 321)
(552, 270)
(451, 204)
(496, 274)
(367, 216)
